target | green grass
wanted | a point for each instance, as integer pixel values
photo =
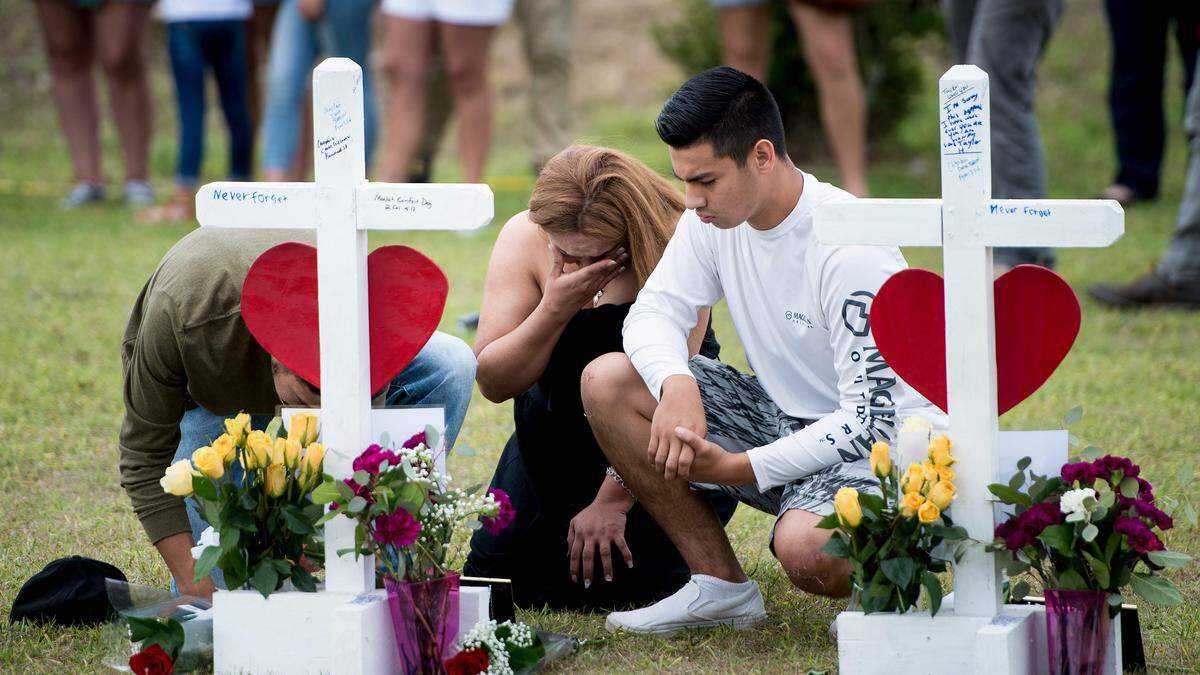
(67, 281)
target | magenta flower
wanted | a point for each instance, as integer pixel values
(1154, 514)
(399, 529)
(1081, 472)
(1023, 530)
(372, 457)
(1138, 534)
(360, 490)
(504, 514)
(414, 441)
(1107, 465)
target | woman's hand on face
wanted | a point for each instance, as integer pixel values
(599, 526)
(568, 292)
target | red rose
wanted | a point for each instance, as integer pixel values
(152, 660)
(469, 662)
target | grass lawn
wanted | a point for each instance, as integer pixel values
(67, 281)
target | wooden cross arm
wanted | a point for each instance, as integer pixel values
(1084, 223)
(880, 222)
(390, 206)
(256, 205)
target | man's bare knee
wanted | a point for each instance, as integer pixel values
(797, 546)
(606, 382)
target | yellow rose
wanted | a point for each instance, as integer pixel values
(275, 480)
(226, 448)
(881, 459)
(209, 462)
(939, 451)
(946, 474)
(929, 470)
(291, 453)
(178, 479)
(258, 450)
(941, 494)
(910, 503)
(929, 513)
(845, 504)
(314, 454)
(913, 479)
(303, 428)
(279, 451)
(237, 427)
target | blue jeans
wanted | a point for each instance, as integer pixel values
(344, 30)
(221, 45)
(443, 373)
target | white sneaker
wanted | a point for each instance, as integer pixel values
(703, 601)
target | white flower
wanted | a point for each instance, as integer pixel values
(1072, 500)
(209, 537)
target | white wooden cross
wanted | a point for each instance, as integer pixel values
(342, 205)
(966, 222)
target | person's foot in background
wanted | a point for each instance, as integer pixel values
(181, 208)
(1150, 290)
(82, 194)
(1123, 194)
(139, 193)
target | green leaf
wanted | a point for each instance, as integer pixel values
(1170, 559)
(327, 491)
(1089, 533)
(464, 450)
(275, 427)
(1189, 513)
(1099, 569)
(836, 547)
(295, 521)
(410, 497)
(356, 505)
(829, 522)
(1061, 538)
(345, 492)
(206, 563)
(933, 588)
(1185, 473)
(1072, 581)
(1023, 463)
(362, 478)
(1091, 452)
(1008, 495)
(1073, 415)
(898, 570)
(230, 539)
(302, 580)
(204, 488)
(1017, 481)
(141, 628)
(265, 578)
(1018, 591)
(1129, 488)
(1155, 590)
(1115, 599)
(281, 567)
(432, 437)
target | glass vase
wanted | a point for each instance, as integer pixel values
(425, 619)
(1076, 631)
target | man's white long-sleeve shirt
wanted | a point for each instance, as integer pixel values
(801, 310)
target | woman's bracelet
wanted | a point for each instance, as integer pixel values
(617, 477)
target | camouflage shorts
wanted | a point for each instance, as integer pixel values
(741, 416)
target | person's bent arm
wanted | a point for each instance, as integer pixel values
(518, 323)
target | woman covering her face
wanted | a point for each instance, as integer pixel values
(561, 279)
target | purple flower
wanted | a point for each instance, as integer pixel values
(1107, 465)
(1154, 514)
(1022, 530)
(1081, 472)
(1145, 490)
(360, 490)
(504, 514)
(1138, 534)
(399, 529)
(372, 457)
(414, 441)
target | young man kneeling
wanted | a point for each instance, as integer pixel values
(783, 440)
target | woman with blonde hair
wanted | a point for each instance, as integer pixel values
(562, 277)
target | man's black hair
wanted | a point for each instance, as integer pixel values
(725, 107)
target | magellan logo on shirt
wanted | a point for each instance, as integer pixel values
(798, 318)
(856, 315)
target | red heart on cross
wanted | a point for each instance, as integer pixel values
(1037, 320)
(406, 293)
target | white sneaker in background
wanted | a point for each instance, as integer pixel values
(83, 193)
(703, 601)
(138, 193)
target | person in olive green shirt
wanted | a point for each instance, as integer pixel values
(189, 362)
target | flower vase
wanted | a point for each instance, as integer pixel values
(425, 619)
(1076, 631)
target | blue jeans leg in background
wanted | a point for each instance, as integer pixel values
(289, 68)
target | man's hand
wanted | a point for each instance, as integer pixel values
(201, 589)
(599, 526)
(714, 464)
(679, 406)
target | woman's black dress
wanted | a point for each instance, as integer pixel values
(552, 468)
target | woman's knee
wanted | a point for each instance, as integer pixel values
(122, 59)
(605, 381)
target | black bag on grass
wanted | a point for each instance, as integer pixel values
(69, 592)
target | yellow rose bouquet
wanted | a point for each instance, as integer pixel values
(890, 536)
(254, 488)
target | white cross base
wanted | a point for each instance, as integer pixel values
(979, 632)
(345, 628)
